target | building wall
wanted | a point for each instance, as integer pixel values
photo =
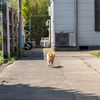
(86, 24)
(65, 21)
(64, 15)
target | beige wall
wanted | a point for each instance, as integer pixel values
(64, 20)
(64, 15)
(86, 24)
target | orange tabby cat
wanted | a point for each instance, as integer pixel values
(50, 58)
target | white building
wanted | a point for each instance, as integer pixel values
(75, 23)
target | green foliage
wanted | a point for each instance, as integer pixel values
(0, 36)
(91, 67)
(13, 59)
(36, 7)
(0, 26)
(93, 53)
(97, 54)
(33, 52)
(87, 64)
(26, 11)
(23, 51)
(4, 81)
(0, 43)
(14, 56)
(14, 3)
(75, 99)
(1, 53)
(81, 58)
(1, 57)
(3, 7)
(2, 60)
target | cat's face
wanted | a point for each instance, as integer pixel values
(50, 55)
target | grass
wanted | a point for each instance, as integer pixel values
(23, 51)
(87, 64)
(74, 99)
(97, 54)
(81, 58)
(40, 49)
(95, 69)
(91, 67)
(3, 81)
(13, 56)
(1, 58)
(0, 43)
(13, 59)
(33, 52)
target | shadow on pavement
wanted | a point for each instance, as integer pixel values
(36, 54)
(58, 67)
(26, 92)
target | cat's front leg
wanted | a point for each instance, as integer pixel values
(51, 63)
(48, 64)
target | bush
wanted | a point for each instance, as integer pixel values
(15, 54)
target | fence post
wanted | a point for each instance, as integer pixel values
(16, 29)
(12, 28)
(20, 29)
(8, 31)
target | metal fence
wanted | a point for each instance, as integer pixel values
(38, 28)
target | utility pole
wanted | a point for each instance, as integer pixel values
(20, 28)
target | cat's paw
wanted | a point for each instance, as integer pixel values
(48, 65)
(52, 65)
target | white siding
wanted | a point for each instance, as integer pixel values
(64, 15)
(86, 34)
(65, 20)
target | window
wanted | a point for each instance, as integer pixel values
(97, 15)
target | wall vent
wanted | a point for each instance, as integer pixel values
(61, 39)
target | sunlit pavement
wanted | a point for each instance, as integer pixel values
(70, 78)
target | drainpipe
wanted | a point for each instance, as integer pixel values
(52, 26)
(76, 20)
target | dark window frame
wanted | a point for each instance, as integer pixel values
(96, 28)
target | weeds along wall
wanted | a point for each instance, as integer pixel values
(9, 30)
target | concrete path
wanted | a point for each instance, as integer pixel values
(70, 78)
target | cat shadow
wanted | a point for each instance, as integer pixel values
(58, 67)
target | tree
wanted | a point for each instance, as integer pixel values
(36, 7)
(14, 3)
